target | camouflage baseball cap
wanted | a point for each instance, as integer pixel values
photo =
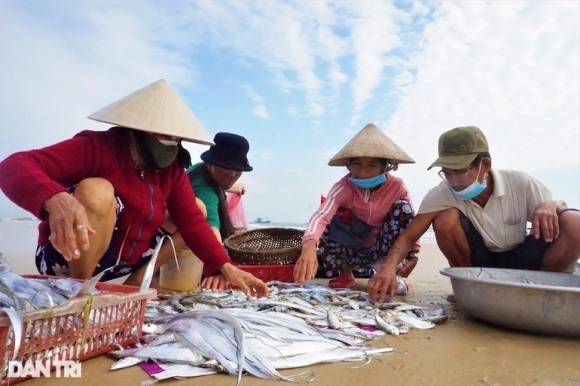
(459, 147)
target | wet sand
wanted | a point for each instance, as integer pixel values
(461, 351)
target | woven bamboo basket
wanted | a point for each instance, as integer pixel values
(265, 246)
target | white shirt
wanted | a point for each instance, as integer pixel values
(503, 221)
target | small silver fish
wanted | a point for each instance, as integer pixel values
(386, 327)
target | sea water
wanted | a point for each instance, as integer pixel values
(18, 240)
(428, 237)
(20, 235)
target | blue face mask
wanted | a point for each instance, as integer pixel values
(472, 190)
(368, 183)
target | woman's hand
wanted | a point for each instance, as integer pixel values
(216, 282)
(307, 264)
(69, 226)
(238, 188)
(248, 283)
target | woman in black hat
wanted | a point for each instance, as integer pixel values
(222, 166)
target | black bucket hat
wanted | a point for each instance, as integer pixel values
(229, 152)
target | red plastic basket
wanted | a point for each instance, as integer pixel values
(268, 273)
(116, 318)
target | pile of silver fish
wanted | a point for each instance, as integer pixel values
(201, 332)
(20, 294)
(25, 294)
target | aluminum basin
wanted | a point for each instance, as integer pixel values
(533, 301)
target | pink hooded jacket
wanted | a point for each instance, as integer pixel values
(370, 207)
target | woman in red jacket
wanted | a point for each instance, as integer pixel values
(102, 196)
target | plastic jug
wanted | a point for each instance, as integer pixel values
(187, 278)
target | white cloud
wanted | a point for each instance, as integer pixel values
(506, 67)
(336, 76)
(374, 35)
(403, 79)
(299, 40)
(55, 68)
(275, 34)
(418, 8)
(259, 109)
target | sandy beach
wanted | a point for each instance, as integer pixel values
(461, 351)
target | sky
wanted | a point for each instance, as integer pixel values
(299, 79)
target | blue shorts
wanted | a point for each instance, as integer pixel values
(51, 262)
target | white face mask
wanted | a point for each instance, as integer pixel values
(168, 143)
(472, 190)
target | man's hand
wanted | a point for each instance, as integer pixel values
(248, 283)
(383, 284)
(545, 221)
(216, 282)
(307, 264)
(69, 226)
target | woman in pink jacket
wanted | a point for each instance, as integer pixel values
(363, 214)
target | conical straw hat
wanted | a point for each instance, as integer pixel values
(371, 142)
(156, 109)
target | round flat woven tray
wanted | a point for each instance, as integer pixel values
(265, 246)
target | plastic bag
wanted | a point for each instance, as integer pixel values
(237, 211)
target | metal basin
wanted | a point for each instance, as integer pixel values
(533, 301)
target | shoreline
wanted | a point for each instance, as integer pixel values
(18, 240)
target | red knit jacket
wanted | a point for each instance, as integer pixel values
(30, 178)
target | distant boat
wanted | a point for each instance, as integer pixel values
(262, 220)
